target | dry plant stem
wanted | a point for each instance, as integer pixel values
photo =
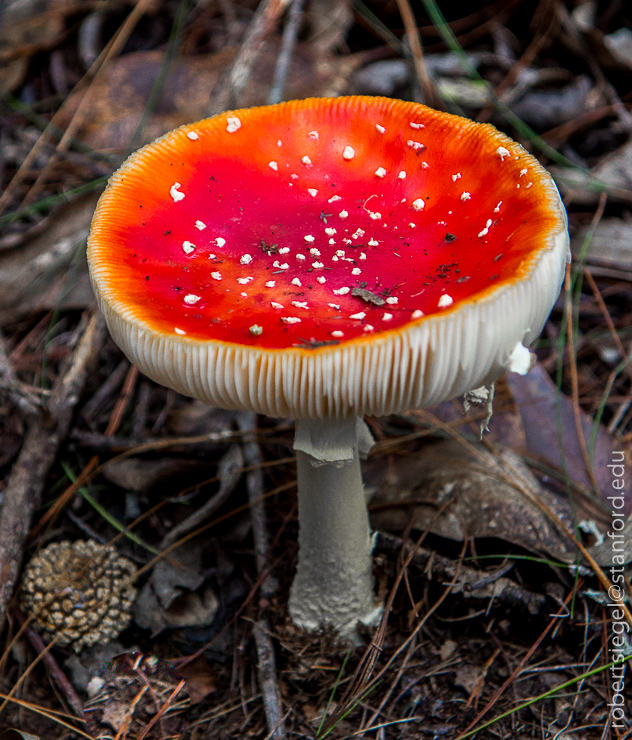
(39, 450)
(334, 578)
(429, 94)
(575, 382)
(288, 42)
(266, 665)
(228, 93)
(53, 667)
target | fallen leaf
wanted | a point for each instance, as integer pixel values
(199, 677)
(611, 244)
(456, 494)
(537, 396)
(47, 268)
(469, 677)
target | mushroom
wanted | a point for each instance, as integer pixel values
(326, 259)
(78, 592)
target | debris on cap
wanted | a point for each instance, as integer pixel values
(78, 592)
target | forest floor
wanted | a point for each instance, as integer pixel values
(502, 616)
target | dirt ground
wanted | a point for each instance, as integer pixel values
(505, 614)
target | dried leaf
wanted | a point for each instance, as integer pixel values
(47, 268)
(537, 397)
(473, 500)
(611, 244)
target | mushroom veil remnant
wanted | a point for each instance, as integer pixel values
(328, 259)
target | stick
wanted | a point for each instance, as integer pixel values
(265, 650)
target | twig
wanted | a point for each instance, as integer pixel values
(229, 473)
(49, 661)
(430, 96)
(268, 684)
(38, 453)
(288, 42)
(231, 86)
(27, 404)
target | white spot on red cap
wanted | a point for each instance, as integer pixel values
(192, 135)
(309, 238)
(296, 282)
(358, 233)
(372, 243)
(274, 304)
(343, 214)
(497, 209)
(392, 300)
(368, 327)
(334, 305)
(387, 317)
(418, 204)
(245, 259)
(342, 291)
(300, 257)
(220, 241)
(330, 231)
(416, 125)
(381, 129)
(485, 231)
(456, 177)
(523, 172)
(200, 225)
(270, 283)
(190, 299)
(313, 192)
(279, 142)
(402, 175)
(338, 334)
(216, 275)
(244, 295)
(188, 247)
(313, 135)
(348, 152)
(299, 304)
(245, 281)
(317, 265)
(358, 316)
(356, 271)
(181, 332)
(321, 280)
(175, 193)
(445, 301)
(314, 252)
(466, 196)
(273, 165)
(256, 330)
(306, 160)
(280, 266)
(502, 152)
(334, 198)
(284, 250)
(290, 320)
(380, 172)
(412, 225)
(415, 144)
(362, 256)
(232, 124)
(417, 314)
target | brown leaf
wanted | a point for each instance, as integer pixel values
(537, 396)
(199, 677)
(47, 269)
(118, 97)
(480, 503)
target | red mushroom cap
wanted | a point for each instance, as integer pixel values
(318, 228)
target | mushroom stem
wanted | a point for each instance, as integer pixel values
(334, 581)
